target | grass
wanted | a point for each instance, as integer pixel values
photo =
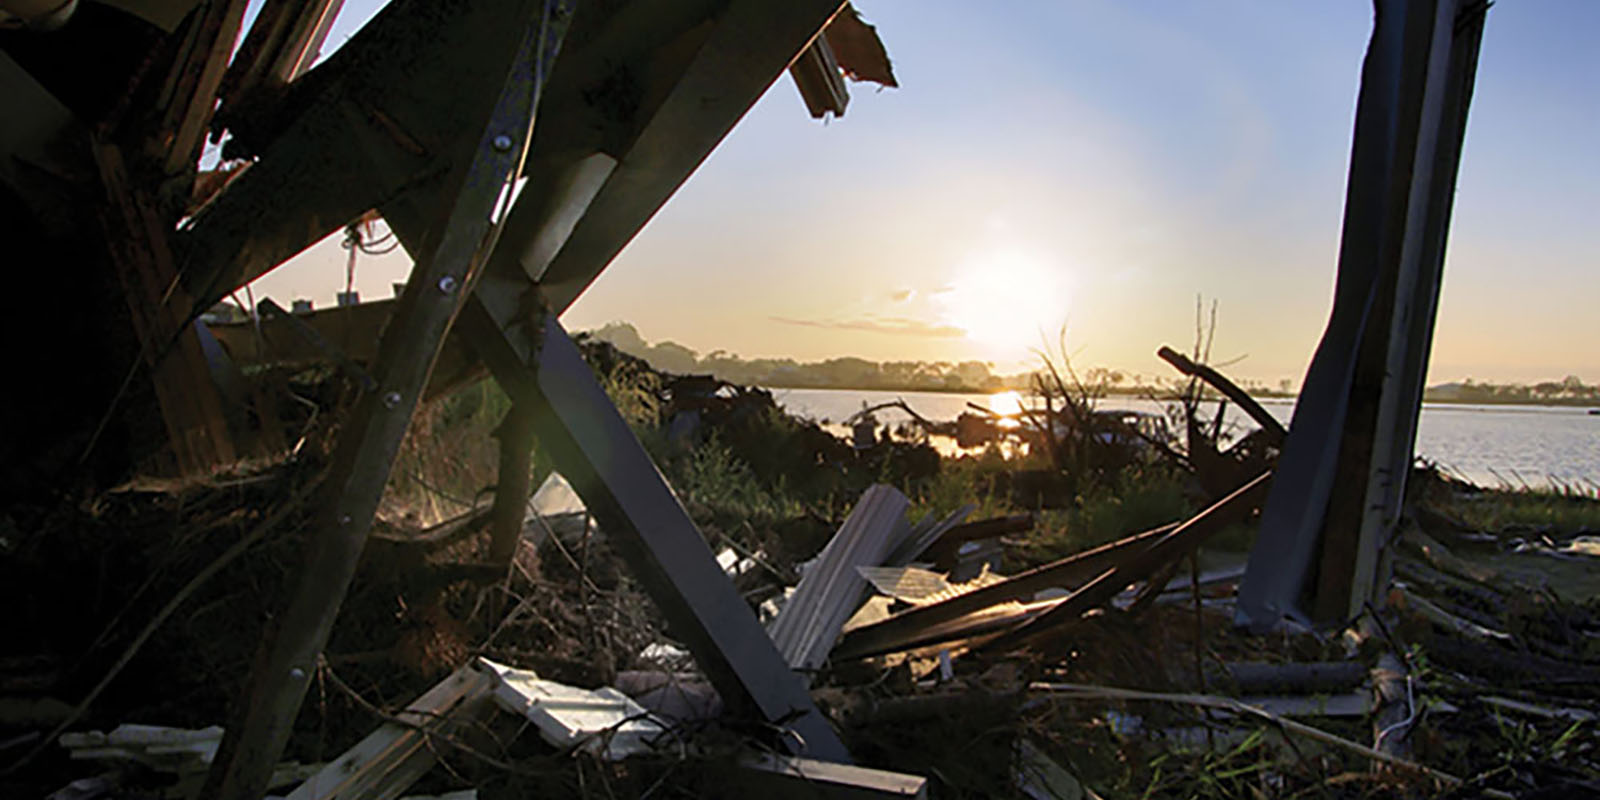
(1136, 500)
(710, 475)
(1559, 509)
(1552, 510)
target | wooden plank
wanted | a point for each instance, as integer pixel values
(216, 32)
(779, 777)
(369, 441)
(394, 756)
(513, 485)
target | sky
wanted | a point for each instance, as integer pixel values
(1075, 175)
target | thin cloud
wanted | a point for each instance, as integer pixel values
(896, 326)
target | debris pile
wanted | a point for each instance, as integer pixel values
(948, 664)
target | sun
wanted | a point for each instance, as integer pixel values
(1008, 301)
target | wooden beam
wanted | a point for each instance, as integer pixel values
(190, 405)
(369, 441)
(214, 32)
(908, 628)
(513, 486)
(778, 777)
(391, 758)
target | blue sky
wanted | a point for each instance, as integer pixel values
(1098, 165)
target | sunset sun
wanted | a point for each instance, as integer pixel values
(1006, 301)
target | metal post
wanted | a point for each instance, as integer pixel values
(591, 444)
(1341, 473)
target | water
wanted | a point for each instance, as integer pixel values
(1489, 445)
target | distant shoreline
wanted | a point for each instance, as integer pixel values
(1145, 392)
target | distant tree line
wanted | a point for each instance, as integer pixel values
(1569, 391)
(848, 372)
(976, 376)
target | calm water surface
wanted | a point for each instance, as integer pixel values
(1489, 445)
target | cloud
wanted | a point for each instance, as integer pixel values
(902, 295)
(871, 323)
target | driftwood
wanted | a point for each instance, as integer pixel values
(1228, 389)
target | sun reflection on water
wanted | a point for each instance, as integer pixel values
(1008, 405)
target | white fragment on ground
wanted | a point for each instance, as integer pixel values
(602, 721)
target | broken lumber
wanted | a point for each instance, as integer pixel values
(1181, 540)
(400, 751)
(903, 630)
(777, 777)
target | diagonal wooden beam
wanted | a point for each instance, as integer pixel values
(369, 441)
(573, 417)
